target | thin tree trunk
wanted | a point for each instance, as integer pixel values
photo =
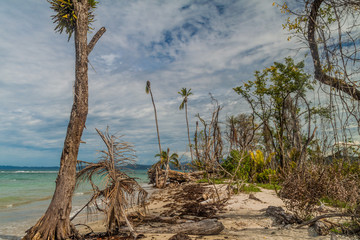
(55, 224)
(163, 184)
(158, 135)
(196, 141)
(188, 131)
(156, 122)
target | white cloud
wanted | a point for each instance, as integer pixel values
(206, 46)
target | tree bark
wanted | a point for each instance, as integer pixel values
(156, 121)
(188, 132)
(55, 224)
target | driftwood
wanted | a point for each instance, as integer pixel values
(174, 176)
(180, 236)
(280, 216)
(319, 228)
(179, 177)
(203, 227)
(330, 215)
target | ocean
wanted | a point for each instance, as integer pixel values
(25, 195)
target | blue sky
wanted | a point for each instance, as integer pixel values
(208, 46)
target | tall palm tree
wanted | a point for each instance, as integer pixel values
(155, 168)
(185, 94)
(148, 90)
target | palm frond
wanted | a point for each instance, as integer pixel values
(118, 192)
(65, 17)
(181, 107)
(147, 88)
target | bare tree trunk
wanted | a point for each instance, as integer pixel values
(188, 132)
(163, 184)
(156, 122)
(196, 141)
(55, 224)
(158, 136)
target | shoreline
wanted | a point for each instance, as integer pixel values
(243, 217)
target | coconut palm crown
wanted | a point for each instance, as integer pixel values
(173, 158)
(185, 94)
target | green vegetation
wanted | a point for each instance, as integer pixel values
(65, 17)
(269, 186)
(173, 159)
(249, 188)
(294, 140)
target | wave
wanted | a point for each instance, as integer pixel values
(4, 202)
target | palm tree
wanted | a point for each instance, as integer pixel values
(185, 94)
(117, 191)
(148, 90)
(173, 158)
(164, 162)
(155, 168)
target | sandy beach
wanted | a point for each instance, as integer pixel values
(243, 216)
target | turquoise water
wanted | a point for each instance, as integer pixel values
(26, 194)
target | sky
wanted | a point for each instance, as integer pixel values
(208, 46)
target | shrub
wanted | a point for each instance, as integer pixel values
(304, 188)
(250, 166)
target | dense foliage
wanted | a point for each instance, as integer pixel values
(65, 17)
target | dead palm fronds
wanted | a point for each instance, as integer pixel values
(118, 193)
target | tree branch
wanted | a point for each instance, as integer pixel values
(326, 216)
(320, 75)
(94, 39)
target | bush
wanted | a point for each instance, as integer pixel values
(266, 176)
(250, 166)
(304, 188)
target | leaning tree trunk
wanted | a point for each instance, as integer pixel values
(55, 224)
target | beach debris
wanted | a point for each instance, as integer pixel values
(203, 227)
(173, 176)
(281, 217)
(252, 196)
(180, 236)
(319, 228)
(117, 195)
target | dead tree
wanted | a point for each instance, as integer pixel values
(55, 223)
